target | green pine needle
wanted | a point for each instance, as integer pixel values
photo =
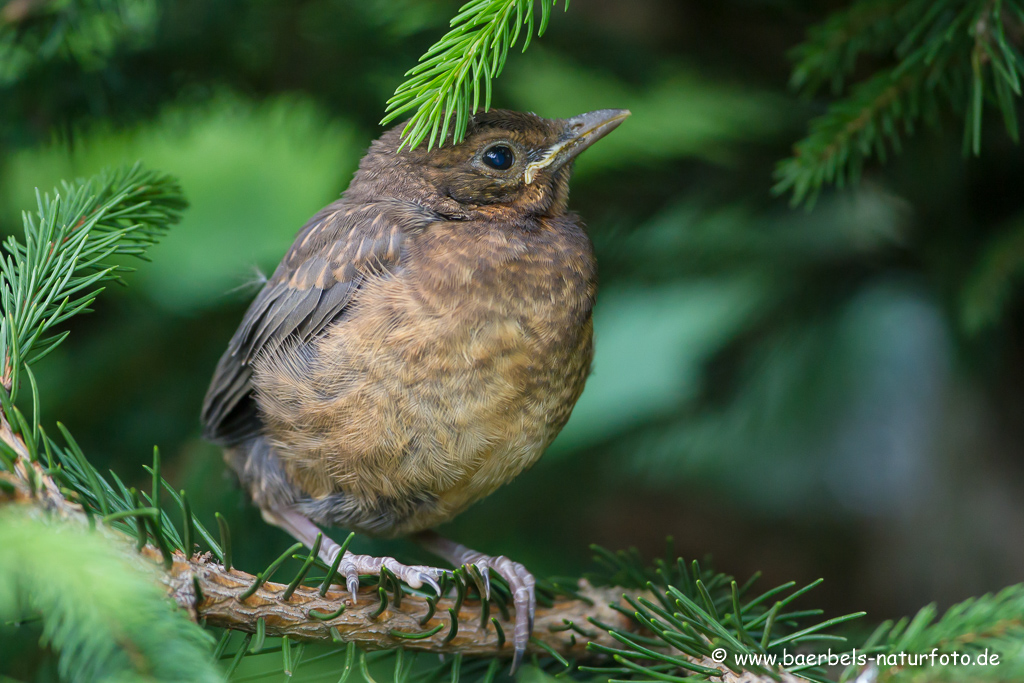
(950, 55)
(446, 84)
(57, 271)
(978, 627)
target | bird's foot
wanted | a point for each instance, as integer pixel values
(520, 581)
(352, 566)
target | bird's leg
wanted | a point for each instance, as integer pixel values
(519, 580)
(352, 565)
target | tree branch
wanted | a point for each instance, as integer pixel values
(220, 606)
(219, 590)
(210, 593)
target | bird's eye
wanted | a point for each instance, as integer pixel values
(499, 157)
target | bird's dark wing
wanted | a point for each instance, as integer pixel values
(332, 255)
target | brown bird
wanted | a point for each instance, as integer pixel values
(421, 343)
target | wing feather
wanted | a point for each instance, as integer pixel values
(311, 289)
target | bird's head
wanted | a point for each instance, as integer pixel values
(509, 163)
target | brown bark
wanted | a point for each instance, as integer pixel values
(220, 606)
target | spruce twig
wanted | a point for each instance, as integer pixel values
(446, 85)
(951, 55)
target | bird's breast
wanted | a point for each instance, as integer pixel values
(445, 379)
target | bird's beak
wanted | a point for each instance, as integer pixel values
(579, 133)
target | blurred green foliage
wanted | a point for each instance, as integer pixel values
(834, 392)
(107, 617)
(251, 171)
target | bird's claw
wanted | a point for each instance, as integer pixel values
(524, 598)
(430, 581)
(520, 582)
(415, 576)
(352, 583)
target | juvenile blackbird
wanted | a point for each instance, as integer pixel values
(422, 342)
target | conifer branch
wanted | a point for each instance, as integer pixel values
(585, 625)
(950, 55)
(832, 49)
(583, 628)
(411, 625)
(446, 84)
(850, 132)
(55, 274)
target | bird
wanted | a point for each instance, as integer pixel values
(421, 343)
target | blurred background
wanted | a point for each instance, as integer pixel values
(833, 392)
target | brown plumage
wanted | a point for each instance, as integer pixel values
(421, 343)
